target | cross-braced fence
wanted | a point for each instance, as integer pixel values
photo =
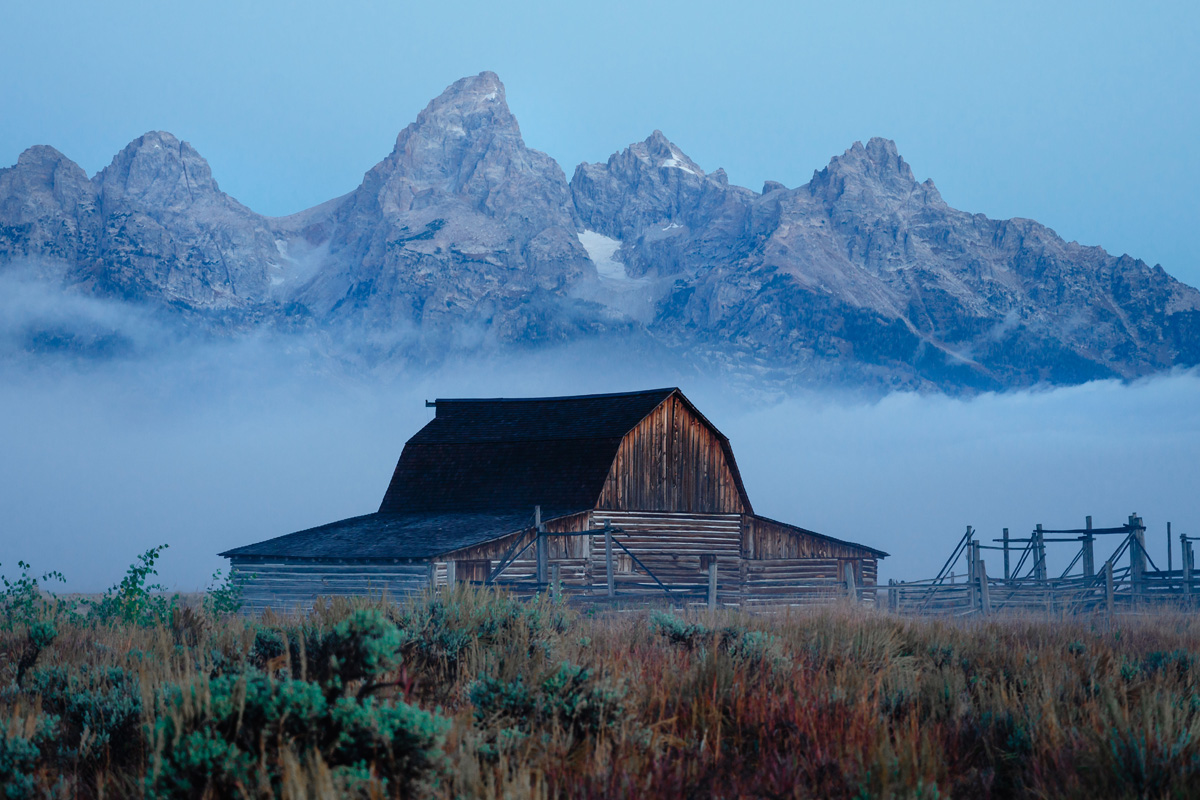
(1127, 580)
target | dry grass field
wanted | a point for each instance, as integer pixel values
(471, 693)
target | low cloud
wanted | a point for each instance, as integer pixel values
(224, 444)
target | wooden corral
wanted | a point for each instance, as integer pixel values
(1128, 580)
(628, 496)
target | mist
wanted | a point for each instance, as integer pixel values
(209, 447)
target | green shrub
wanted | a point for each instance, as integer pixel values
(685, 634)
(238, 730)
(39, 636)
(21, 758)
(569, 698)
(99, 711)
(360, 648)
(224, 594)
(133, 601)
(742, 646)
(25, 600)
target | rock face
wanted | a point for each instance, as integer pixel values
(152, 225)
(462, 233)
(464, 239)
(866, 274)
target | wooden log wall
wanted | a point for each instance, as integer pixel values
(672, 461)
(792, 581)
(671, 546)
(766, 538)
(288, 585)
(571, 553)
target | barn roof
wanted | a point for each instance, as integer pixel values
(475, 472)
(401, 536)
(513, 454)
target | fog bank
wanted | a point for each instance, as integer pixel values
(232, 444)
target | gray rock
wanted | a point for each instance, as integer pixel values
(462, 230)
(463, 240)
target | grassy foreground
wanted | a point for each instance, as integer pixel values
(470, 693)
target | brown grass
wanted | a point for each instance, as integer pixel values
(833, 703)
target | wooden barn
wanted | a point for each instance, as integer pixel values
(631, 495)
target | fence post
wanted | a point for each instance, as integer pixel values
(1089, 550)
(972, 571)
(1007, 572)
(1170, 566)
(1137, 555)
(1109, 600)
(893, 595)
(1185, 555)
(556, 581)
(540, 531)
(848, 576)
(432, 575)
(1040, 554)
(712, 584)
(608, 559)
(985, 599)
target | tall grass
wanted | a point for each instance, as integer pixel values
(471, 693)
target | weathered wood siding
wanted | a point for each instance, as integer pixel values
(767, 539)
(792, 581)
(672, 461)
(671, 546)
(289, 585)
(569, 552)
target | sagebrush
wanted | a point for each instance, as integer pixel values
(474, 693)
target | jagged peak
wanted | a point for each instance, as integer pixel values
(874, 168)
(879, 159)
(465, 106)
(660, 152)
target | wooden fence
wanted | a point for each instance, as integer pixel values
(1139, 585)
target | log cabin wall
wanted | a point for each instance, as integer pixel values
(672, 545)
(569, 552)
(293, 584)
(788, 565)
(673, 461)
(768, 539)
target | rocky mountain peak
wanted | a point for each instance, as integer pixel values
(649, 182)
(871, 174)
(44, 170)
(660, 152)
(157, 170)
(468, 106)
(41, 157)
(467, 144)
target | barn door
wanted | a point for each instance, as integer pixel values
(472, 571)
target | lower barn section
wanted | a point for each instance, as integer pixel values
(295, 585)
(655, 556)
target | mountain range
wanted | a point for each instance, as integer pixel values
(463, 241)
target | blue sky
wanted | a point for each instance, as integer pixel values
(1081, 115)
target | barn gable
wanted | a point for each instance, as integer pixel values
(674, 459)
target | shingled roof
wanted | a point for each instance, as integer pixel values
(390, 536)
(512, 454)
(475, 472)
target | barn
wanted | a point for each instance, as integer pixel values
(609, 496)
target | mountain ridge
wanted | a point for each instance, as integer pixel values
(463, 239)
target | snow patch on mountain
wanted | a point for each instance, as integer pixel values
(602, 251)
